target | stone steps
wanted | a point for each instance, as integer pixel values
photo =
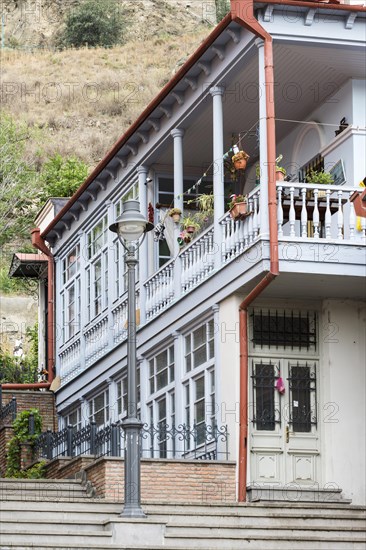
(59, 515)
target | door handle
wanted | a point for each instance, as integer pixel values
(287, 433)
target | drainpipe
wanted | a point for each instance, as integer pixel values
(35, 386)
(39, 243)
(242, 11)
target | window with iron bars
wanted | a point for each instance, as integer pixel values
(289, 329)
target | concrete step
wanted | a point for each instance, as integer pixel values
(27, 489)
(68, 536)
(267, 543)
(259, 510)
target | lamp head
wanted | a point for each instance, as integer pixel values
(130, 224)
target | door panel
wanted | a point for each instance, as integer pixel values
(284, 440)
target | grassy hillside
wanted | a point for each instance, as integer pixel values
(83, 100)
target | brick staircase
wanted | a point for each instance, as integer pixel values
(63, 514)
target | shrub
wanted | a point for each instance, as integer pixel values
(22, 435)
(93, 23)
(60, 177)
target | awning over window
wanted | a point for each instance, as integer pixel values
(28, 265)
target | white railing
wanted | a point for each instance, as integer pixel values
(318, 212)
(159, 290)
(70, 365)
(304, 211)
(96, 341)
(238, 235)
(197, 261)
(120, 318)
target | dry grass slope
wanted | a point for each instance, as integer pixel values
(83, 100)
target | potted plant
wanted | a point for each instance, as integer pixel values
(184, 238)
(280, 171)
(238, 207)
(205, 203)
(190, 224)
(175, 214)
(359, 200)
(239, 160)
(319, 177)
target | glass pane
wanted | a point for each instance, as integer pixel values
(161, 360)
(200, 356)
(264, 386)
(162, 379)
(162, 410)
(188, 344)
(200, 388)
(301, 404)
(199, 336)
(200, 411)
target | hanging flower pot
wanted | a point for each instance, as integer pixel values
(190, 229)
(239, 160)
(175, 214)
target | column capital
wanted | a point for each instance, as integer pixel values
(177, 132)
(217, 90)
(175, 334)
(259, 42)
(142, 169)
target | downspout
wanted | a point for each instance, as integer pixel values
(39, 243)
(242, 11)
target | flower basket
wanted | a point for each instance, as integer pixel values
(239, 160)
(239, 211)
(175, 214)
(190, 229)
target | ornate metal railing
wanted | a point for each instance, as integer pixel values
(200, 442)
(8, 411)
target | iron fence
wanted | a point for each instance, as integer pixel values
(8, 411)
(199, 442)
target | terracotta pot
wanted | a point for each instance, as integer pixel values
(240, 164)
(359, 202)
(176, 218)
(239, 211)
(190, 229)
(280, 176)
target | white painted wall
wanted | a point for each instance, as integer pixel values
(343, 383)
(306, 141)
(229, 364)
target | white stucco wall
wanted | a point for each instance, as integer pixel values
(343, 413)
(229, 361)
(306, 141)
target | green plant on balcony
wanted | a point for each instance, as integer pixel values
(318, 177)
(238, 206)
(191, 224)
(280, 171)
(324, 178)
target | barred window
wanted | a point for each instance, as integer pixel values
(284, 329)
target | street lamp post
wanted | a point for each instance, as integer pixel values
(130, 226)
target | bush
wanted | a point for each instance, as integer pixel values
(93, 23)
(21, 435)
(61, 177)
(21, 370)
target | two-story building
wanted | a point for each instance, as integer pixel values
(257, 324)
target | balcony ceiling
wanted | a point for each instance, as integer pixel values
(305, 75)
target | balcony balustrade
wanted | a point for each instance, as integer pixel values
(305, 213)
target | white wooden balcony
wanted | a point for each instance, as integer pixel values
(307, 214)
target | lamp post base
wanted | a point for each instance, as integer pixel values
(133, 512)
